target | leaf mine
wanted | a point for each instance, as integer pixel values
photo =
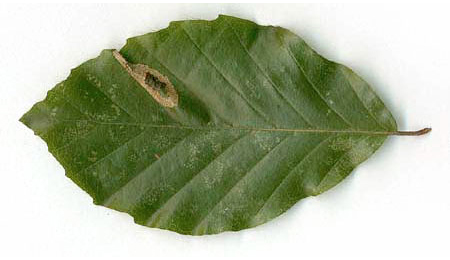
(156, 84)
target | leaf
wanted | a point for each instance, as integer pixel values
(210, 126)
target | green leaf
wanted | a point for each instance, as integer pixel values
(210, 126)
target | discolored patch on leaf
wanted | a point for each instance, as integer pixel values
(157, 85)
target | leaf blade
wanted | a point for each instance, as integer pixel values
(262, 122)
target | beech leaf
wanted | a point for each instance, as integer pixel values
(210, 126)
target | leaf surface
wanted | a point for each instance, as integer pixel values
(257, 121)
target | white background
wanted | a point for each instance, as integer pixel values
(396, 205)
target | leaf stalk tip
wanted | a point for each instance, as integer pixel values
(423, 131)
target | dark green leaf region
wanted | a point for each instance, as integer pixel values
(210, 126)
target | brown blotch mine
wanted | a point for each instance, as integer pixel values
(156, 84)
